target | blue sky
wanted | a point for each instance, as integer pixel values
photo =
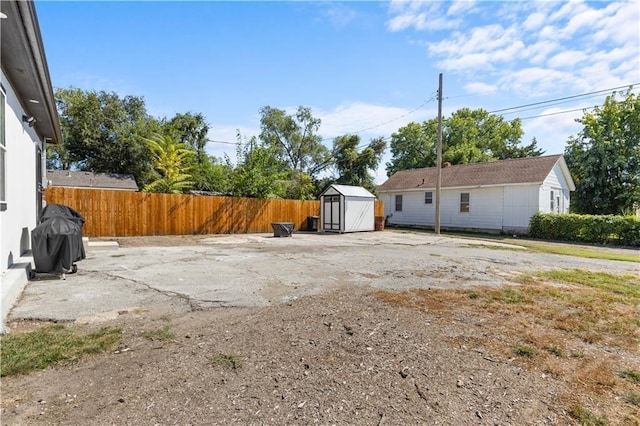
(359, 65)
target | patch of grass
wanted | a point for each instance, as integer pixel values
(473, 295)
(632, 398)
(624, 285)
(50, 345)
(524, 350)
(586, 417)
(555, 350)
(435, 254)
(117, 255)
(634, 376)
(230, 361)
(577, 251)
(162, 334)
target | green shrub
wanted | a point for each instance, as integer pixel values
(602, 229)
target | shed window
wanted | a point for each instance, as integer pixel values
(3, 154)
(551, 203)
(464, 202)
(428, 197)
(398, 203)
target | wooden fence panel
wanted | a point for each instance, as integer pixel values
(128, 214)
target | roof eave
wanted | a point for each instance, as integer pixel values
(25, 65)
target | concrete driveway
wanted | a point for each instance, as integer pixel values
(258, 269)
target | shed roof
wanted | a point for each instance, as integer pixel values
(350, 191)
(504, 172)
(80, 179)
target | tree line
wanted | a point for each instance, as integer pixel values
(103, 132)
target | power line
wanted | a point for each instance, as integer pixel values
(564, 98)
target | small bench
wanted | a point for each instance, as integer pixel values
(282, 229)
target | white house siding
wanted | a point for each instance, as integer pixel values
(520, 202)
(414, 210)
(555, 182)
(20, 216)
(485, 209)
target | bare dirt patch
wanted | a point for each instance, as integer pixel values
(353, 354)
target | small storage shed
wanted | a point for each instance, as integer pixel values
(345, 208)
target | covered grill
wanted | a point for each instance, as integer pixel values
(56, 242)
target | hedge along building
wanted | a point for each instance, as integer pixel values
(28, 120)
(498, 196)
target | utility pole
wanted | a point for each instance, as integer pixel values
(439, 159)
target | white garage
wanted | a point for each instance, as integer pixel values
(345, 208)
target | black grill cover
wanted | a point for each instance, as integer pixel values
(57, 242)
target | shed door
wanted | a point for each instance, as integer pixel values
(331, 213)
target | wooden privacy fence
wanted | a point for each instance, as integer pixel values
(127, 214)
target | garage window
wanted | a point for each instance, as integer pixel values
(428, 197)
(398, 203)
(464, 202)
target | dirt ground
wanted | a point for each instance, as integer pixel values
(345, 356)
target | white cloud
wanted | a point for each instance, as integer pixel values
(552, 131)
(367, 119)
(480, 88)
(420, 15)
(338, 14)
(461, 6)
(567, 59)
(536, 48)
(534, 21)
(536, 81)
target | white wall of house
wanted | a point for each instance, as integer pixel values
(520, 202)
(501, 208)
(554, 193)
(20, 216)
(485, 208)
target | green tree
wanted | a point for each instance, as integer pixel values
(294, 139)
(103, 132)
(604, 158)
(413, 146)
(258, 172)
(353, 166)
(171, 161)
(468, 136)
(192, 130)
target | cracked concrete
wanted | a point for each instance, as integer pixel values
(258, 270)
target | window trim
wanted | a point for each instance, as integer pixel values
(428, 197)
(465, 206)
(398, 201)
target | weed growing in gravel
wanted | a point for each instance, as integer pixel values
(38, 349)
(632, 398)
(162, 334)
(231, 361)
(555, 350)
(521, 349)
(633, 376)
(586, 417)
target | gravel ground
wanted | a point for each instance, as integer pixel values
(294, 331)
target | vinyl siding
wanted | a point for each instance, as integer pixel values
(554, 182)
(520, 203)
